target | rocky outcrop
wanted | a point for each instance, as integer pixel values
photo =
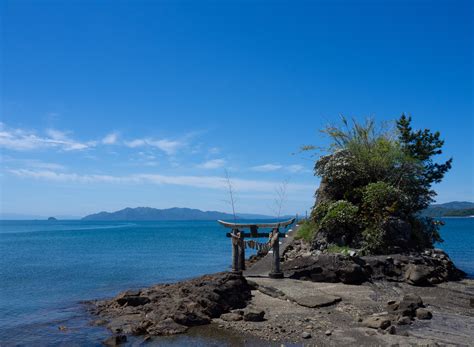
(326, 268)
(401, 312)
(171, 308)
(422, 269)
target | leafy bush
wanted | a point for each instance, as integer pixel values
(380, 200)
(340, 222)
(319, 211)
(373, 241)
(306, 230)
(338, 249)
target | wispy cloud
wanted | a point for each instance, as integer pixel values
(170, 147)
(212, 164)
(267, 167)
(23, 140)
(110, 139)
(135, 143)
(295, 168)
(210, 182)
(32, 163)
(214, 150)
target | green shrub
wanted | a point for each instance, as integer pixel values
(340, 222)
(380, 200)
(338, 249)
(373, 240)
(319, 211)
(306, 230)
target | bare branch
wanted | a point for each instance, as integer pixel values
(230, 189)
(281, 196)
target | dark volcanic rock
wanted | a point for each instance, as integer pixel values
(166, 327)
(171, 308)
(423, 313)
(326, 268)
(132, 298)
(377, 322)
(406, 307)
(254, 316)
(428, 268)
(400, 312)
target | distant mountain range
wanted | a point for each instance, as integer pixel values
(175, 213)
(450, 209)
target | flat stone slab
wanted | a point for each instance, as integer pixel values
(304, 293)
(315, 301)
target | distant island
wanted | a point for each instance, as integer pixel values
(52, 219)
(450, 209)
(175, 213)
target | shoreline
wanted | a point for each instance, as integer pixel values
(273, 311)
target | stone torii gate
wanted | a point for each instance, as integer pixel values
(238, 245)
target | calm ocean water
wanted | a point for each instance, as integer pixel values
(48, 268)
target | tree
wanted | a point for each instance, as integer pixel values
(421, 146)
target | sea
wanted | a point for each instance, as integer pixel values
(48, 269)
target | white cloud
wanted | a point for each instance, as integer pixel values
(56, 134)
(214, 150)
(110, 139)
(170, 147)
(44, 165)
(210, 182)
(23, 140)
(267, 167)
(296, 168)
(135, 143)
(212, 164)
(32, 163)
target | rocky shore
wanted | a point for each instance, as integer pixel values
(324, 299)
(170, 309)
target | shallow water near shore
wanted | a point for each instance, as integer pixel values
(48, 267)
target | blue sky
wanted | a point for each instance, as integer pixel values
(109, 104)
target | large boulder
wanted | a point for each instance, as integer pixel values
(419, 269)
(326, 268)
(377, 322)
(252, 315)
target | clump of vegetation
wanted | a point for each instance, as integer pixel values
(340, 222)
(306, 230)
(374, 183)
(339, 249)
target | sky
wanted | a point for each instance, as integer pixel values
(113, 104)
